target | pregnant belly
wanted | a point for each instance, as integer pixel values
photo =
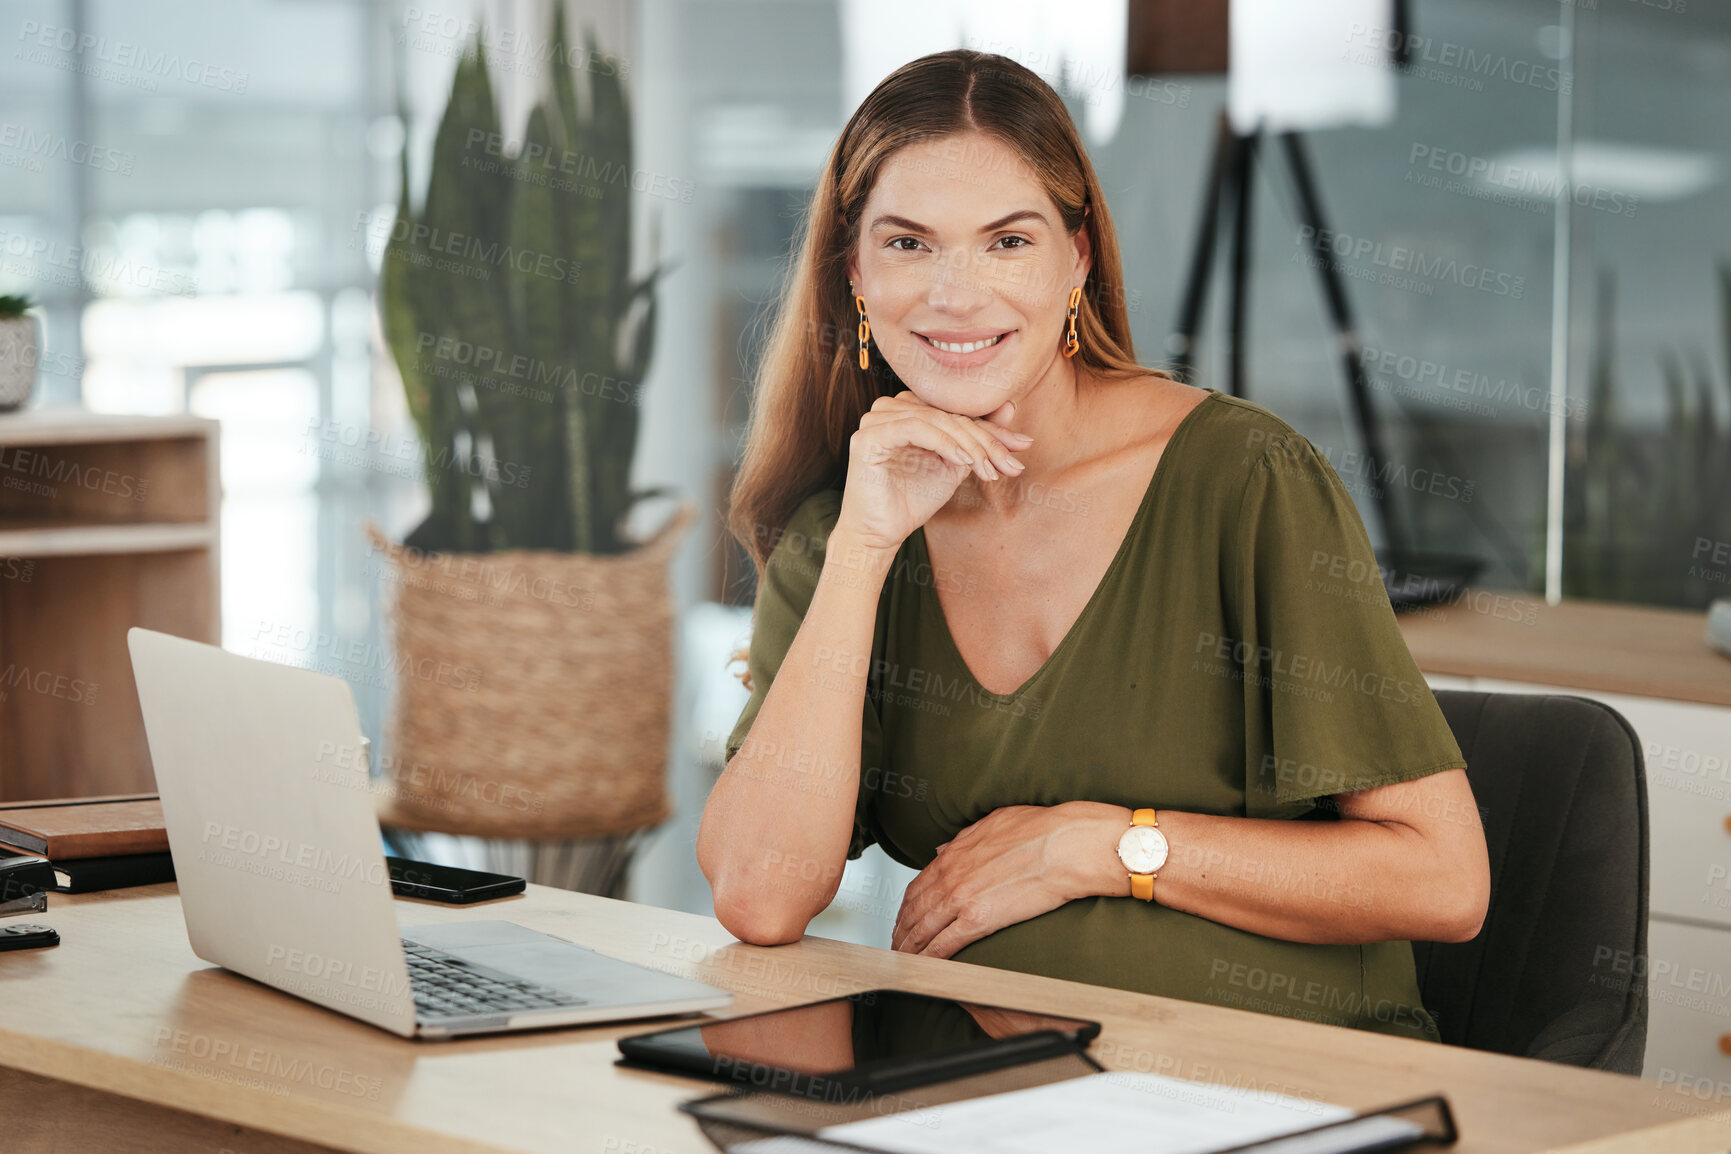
(1150, 949)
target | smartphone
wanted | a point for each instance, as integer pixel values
(442, 883)
(874, 1039)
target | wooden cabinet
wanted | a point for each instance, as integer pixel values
(1653, 667)
(106, 522)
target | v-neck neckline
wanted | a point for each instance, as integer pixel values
(1117, 562)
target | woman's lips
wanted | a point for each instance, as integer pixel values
(964, 360)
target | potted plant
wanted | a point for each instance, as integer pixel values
(532, 637)
(20, 345)
(1641, 501)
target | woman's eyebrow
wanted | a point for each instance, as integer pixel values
(902, 222)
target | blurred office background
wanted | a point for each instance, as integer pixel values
(208, 239)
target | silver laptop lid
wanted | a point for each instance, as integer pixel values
(272, 827)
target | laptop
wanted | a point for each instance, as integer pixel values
(282, 873)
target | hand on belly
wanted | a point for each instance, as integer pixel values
(1011, 865)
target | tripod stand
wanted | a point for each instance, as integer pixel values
(1231, 180)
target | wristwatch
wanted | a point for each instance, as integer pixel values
(1142, 849)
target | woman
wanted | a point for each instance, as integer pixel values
(1105, 657)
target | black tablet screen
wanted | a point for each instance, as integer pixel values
(841, 1034)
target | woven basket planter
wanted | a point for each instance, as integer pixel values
(533, 690)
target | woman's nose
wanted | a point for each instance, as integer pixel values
(959, 288)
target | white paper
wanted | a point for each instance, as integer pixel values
(1319, 64)
(1111, 1111)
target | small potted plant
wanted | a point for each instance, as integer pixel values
(20, 345)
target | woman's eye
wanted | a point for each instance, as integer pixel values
(1022, 242)
(897, 243)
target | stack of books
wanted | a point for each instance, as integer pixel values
(91, 843)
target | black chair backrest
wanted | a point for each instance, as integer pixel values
(1553, 975)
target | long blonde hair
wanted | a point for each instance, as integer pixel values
(810, 392)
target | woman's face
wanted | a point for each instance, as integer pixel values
(966, 272)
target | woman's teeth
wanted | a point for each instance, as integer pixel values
(967, 347)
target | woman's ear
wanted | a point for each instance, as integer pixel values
(1084, 253)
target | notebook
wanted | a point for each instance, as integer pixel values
(85, 827)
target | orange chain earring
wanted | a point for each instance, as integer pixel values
(865, 328)
(1071, 344)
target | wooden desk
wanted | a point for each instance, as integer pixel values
(122, 1014)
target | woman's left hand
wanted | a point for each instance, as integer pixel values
(1015, 863)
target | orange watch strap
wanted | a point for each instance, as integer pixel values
(1142, 885)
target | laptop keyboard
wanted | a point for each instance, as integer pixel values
(443, 984)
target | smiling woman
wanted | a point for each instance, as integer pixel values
(1055, 630)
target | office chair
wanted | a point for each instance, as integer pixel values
(1558, 972)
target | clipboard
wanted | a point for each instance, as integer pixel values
(745, 1121)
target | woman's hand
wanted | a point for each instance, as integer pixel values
(1015, 863)
(906, 460)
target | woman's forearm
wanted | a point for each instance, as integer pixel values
(1346, 881)
(776, 828)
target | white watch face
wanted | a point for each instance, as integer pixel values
(1142, 849)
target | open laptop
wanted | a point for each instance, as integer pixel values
(282, 875)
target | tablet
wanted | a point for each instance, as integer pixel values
(874, 1039)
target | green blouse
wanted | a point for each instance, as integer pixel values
(1239, 657)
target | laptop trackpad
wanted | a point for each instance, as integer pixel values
(546, 960)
